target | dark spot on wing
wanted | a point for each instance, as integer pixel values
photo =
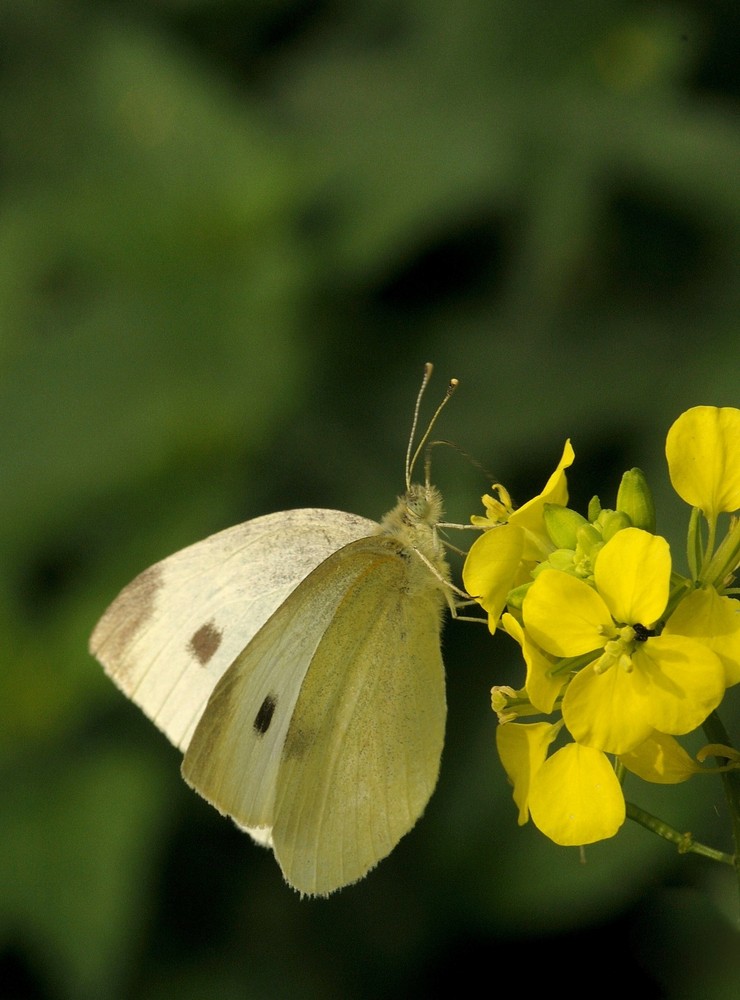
(204, 643)
(264, 717)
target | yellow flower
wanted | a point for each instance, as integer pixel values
(703, 452)
(504, 555)
(634, 681)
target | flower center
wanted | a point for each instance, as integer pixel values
(619, 650)
(642, 633)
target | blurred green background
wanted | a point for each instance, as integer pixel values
(231, 233)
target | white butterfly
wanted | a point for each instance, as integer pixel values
(295, 659)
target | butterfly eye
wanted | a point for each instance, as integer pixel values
(416, 503)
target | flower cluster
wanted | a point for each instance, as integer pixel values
(622, 652)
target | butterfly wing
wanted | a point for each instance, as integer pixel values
(173, 631)
(329, 727)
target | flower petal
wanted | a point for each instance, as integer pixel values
(576, 797)
(632, 574)
(605, 711)
(530, 516)
(678, 681)
(542, 688)
(522, 749)
(565, 616)
(715, 622)
(660, 759)
(703, 452)
(491, 567)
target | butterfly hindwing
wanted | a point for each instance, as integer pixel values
(347, 792)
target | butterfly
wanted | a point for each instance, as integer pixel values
(295, 660)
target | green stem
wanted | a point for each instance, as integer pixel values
(711, 537)
(694, 543)
(715, 732)
(684, 841)
(719, 570)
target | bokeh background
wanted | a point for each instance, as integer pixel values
(231, 234)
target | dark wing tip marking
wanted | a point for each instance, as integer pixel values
(204, 643)
(126, 617)
(263, 718)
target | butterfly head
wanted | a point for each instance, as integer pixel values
(413, 522)
(422, 505)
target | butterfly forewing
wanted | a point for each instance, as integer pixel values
(171, 633)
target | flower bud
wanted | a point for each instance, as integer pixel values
(635, 499)
(613, 521)
(561, 559)
(589, 540)
(562, 523)
(515, 597)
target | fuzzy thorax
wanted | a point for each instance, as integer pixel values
(413, 521)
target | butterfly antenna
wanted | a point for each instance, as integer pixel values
(428, 369)
(428, 459)
(488, 476)
(412, 459)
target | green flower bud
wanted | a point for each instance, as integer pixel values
(635, 499)
(589, 538)
(612, 522)
(561, 559)
(562, 523)
(515, 597)
(594, 509)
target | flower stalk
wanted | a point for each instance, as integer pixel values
(715, 732)
(684, 841)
